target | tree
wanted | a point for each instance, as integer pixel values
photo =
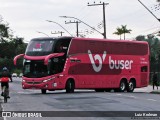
(154, 46)
(3, 32)
(125, 30)
(140, 38)
(122, 30)
(10, 46)
(118, 32)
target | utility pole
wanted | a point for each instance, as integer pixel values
(83, 23)
(104, 19)
(77, 22)
(58, 32)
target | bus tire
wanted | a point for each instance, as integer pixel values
(70, 86)
(43, 91)
(131, 86)
(122, 86)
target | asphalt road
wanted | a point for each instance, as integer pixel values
(81, 100)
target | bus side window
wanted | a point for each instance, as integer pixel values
(144, 69)
(61, 48)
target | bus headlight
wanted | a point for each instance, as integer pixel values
(48, 79)
(45, 80)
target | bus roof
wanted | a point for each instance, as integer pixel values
(112, 40)
(92, 39)
(46, 38)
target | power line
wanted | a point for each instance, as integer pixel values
(83, 23)
(149, 11)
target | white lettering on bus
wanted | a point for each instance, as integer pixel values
(120, 64)
(97, 57)
(34, 49)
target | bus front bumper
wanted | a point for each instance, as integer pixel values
(41, 85)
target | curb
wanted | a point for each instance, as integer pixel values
(155, 92)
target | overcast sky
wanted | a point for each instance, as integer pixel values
(26, 17)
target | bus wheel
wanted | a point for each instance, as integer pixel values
(131, 86)
(122, 87)
(70, 86)
(43, 91)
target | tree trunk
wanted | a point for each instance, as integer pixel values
(124, 36)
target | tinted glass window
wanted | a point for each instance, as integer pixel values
(40, 46)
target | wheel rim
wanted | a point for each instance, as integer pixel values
(122, 86)
(131, 86)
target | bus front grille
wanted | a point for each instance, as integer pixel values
(33, 82)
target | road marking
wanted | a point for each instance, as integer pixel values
(132, 96)
(118, 94)
(5, 118)
(24, 93)
(151, 99)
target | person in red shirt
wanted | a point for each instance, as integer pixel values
(4, 79)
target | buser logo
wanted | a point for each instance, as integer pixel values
(113, 63)
(101, 59)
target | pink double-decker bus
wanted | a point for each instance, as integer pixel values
(85, 63)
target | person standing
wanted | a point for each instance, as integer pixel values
(155, 80)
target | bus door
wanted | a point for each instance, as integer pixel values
(74, 69)
(144, 75)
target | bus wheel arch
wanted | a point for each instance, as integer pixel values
(131, 85)
(70, 85)
(123, 85)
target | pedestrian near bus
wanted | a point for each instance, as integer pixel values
(155, 80)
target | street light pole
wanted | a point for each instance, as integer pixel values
(43, 33)
(59, 25)
(82, 22)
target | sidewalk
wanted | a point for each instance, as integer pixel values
(148, 89)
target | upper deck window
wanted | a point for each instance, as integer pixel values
(40, 46)
(46, 46)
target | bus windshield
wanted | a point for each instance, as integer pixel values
(37, 69)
